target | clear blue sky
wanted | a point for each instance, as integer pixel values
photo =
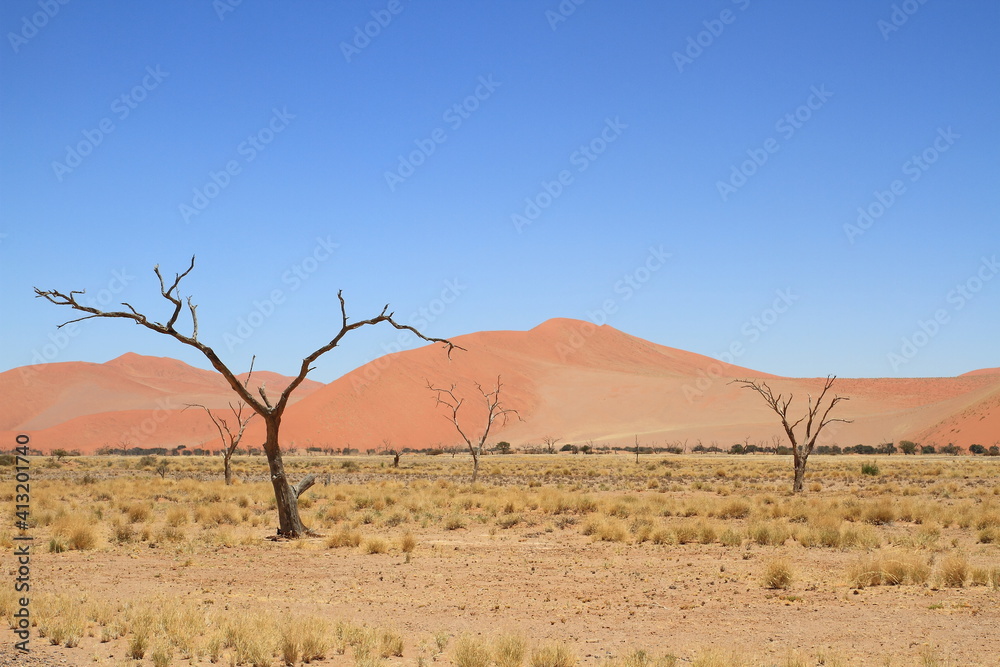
(115, 116)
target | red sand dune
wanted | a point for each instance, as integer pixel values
(79, 405)
(568, 379)
(983, 371)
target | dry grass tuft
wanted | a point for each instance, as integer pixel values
(888, 570)
(778, 574)
(553, 655)
(470, 651)
(251, 636)
(715, 658)
(642, 658)
(954, 571)
(375, 545)
(508, 651)
(344, 538)
(880, 512)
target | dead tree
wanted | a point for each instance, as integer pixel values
(495, 410)
(816, 418)
(550, 444)
(395, 452)
(230, 440)
(271, 411)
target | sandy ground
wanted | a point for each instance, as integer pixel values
(602, 599)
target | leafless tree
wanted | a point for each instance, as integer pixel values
(816, 418)
(271, 411)
(550, 444)
(495, 411)
(395, 452)
(230, 440)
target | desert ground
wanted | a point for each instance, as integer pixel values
(548, 561)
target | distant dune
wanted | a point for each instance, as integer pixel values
(983, 371)
(568, 379)
(133, 398)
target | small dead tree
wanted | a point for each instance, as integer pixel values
(395, 452)
(550, 444)
(230, 440)
(271, 411)
(816, 418)
(495, 411)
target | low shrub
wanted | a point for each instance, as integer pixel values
(778, 574)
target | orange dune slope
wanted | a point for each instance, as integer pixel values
(567, 379)
(79, 405)
(579, 382)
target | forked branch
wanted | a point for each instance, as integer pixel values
(817, 417)
(495, 411)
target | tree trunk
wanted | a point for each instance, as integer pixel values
(395, 460)
(800, 473)
(228, 470)
(475, 466)
(289, 523)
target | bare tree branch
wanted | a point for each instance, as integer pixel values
(345, 328)
(800, 450)
(230, 440)
(63, 299)
(286, 496)
(305, 484)
(494, 409)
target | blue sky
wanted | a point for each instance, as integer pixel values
(697, 167)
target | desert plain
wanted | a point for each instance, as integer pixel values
(704, 560)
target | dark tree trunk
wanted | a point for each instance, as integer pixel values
(395, 460)
(475, 466)
(227, 465)
(800, 474)
(289, 523)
